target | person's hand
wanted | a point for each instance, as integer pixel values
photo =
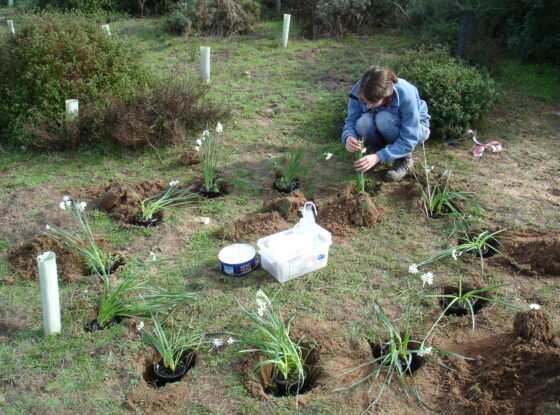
(352, 145)
(366, 162)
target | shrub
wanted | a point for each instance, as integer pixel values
(53, 57)
(457, 95)
(154, 116)
(136, 7)
(224, 17)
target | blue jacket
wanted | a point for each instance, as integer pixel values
(406, 104)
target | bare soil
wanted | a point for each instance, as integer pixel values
(344, 214)
(189, 158)
(253, 227)
(288, 206)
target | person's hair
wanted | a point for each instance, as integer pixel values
(377, 84)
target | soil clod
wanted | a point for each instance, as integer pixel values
(534, 324)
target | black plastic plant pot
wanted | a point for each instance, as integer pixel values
(460, 309)
(289, 387)
(381, 349)
(93, 325)
(163, 375)
(209, 194)
(148, 223)
(119, 262)
(285, 189)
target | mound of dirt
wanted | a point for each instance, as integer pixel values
(252, 227)
(23, 258)
(534, 251)
(120, 201)
(342, 215)
(189, 158)
(288, 206)
(512, 375)
(535, 324)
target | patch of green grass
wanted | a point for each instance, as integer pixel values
(536, 80)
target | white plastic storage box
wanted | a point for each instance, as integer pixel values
(286, 255)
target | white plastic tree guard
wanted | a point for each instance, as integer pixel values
(72, 109)
(50, 302)
(106, 29)
(10, 3)
(11, 26)
(205, 64)
(286, 30)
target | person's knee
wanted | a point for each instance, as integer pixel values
(388, 125)
(364, 125)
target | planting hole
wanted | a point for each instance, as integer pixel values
(156, 375)
(460, 308)
(380, 349)
(285, 189)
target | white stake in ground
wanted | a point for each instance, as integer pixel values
(49, 292)
(106, 28)
(72, 109)
(205, 64)
(286, 30)
(11, 26)
(10, 3)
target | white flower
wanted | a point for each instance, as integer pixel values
(48, 227)
(424, 352)
(413, 269)
(205, 133)
(152, 256)
(66, 199)
(427, 278)
(199, 142)
(260, 293)
(218, 342)
(364, 150)
(81, 206)
(329, 155)
(231, 340)
(534, 306)
(206, 221)
(140, 326)
(66, 203)
(262, 306)
(454, 254)
(173, 183)
(219, 127)
(197, 148)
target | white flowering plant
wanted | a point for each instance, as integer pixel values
(133, 297)
(438, 199)
(172, 197)
(271, 337)
(208, 147)
(481, 244)
(82, 242)
(172, 344)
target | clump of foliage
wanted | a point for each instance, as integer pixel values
(457, 95)
(154, 116)
(102, 7)
(53, 57)
(224, 17)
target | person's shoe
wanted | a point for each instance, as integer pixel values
(400, 168)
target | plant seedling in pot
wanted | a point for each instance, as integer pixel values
(83, 243)
(208, 147)
(177, 347)
(153, 207)
(291, 169)
(132, 297)
(271, 338)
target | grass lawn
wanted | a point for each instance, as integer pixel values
(279, 98)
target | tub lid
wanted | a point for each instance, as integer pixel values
(237, 254)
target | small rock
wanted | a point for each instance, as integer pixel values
(8, 280)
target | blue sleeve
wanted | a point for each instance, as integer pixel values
(409, 132)
(354, 112)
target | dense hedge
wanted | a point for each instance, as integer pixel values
(457, 95)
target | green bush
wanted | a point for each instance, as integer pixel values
(104, 7)
(224, 17)
(457, 95)
(53, 57)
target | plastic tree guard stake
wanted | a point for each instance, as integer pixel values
(107, 29)
(49, 292)
(10, 3)
(205, 64)
(72, 109)
(278, 4)
(286, 30)
(11, 27)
